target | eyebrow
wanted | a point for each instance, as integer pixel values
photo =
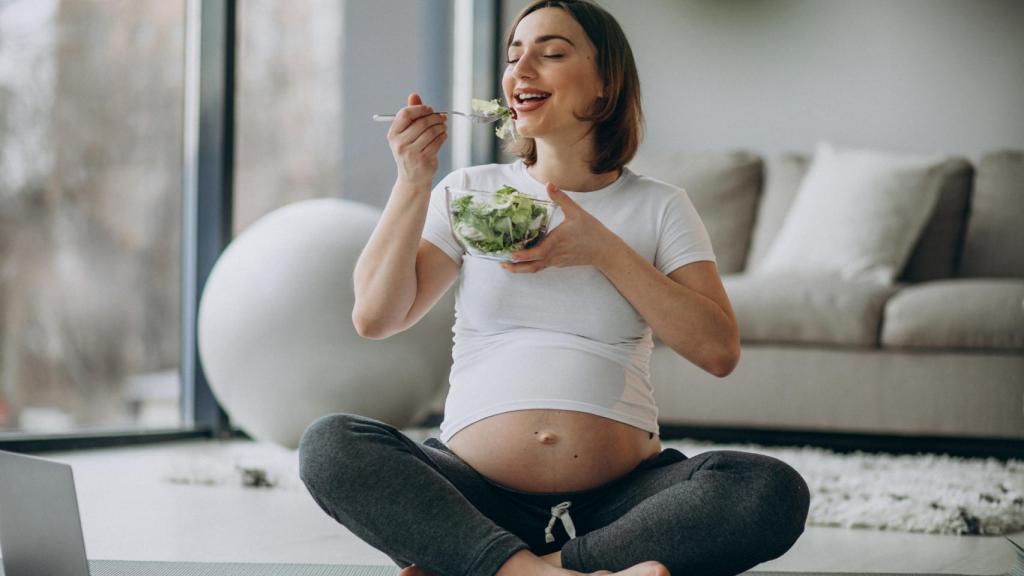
(544, 38)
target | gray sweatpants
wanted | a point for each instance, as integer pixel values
(720, 512)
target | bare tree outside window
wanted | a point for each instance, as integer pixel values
(92, 112)
(91, 109)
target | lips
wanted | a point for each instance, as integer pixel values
(529, 105)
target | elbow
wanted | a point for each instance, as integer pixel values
(366, 328)
(363, 328)
(724, 365)
(727, 359)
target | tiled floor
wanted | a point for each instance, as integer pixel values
(129, 512)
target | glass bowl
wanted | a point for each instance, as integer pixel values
(495, 224)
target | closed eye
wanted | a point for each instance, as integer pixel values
(547, 56)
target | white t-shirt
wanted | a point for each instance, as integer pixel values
(561, 338)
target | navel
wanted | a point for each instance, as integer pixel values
(546, 437)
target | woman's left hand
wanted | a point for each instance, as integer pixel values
(579, 240)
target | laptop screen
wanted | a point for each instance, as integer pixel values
(40, 529)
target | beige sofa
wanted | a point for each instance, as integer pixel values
(940, 354)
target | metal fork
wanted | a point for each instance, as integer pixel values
(474, 117)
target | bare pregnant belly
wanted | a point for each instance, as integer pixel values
(552, 450)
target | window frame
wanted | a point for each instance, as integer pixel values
(207, 192)
(207, 199)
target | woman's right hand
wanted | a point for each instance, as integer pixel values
(415, 137)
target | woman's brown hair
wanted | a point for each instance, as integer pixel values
(618, 117)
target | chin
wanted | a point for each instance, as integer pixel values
(527, 131)
(524, 132)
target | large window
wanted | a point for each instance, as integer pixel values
(289, 98)
(139, 137)
(90, 214)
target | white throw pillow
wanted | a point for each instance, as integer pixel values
(857, 214)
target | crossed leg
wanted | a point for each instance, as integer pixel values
(720, 512)
(717, 513)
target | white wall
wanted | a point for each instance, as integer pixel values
(391, 49)
(777, 75)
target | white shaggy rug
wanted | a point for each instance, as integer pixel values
(910, 493)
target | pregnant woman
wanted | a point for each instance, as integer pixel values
(549, 460)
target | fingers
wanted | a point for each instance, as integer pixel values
(435, 146)
(407, 116)
(435, 127)
(420, 134)
(524, 266)
(415, 137)
(411, 123)
(531, 255)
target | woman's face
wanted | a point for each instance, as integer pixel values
(551, 54)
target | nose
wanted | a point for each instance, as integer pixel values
(522, 68)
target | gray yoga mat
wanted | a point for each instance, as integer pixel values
(149, 568)
(138, 568)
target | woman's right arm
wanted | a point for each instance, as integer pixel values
(386, 274)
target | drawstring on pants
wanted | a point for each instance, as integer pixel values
(560, 511)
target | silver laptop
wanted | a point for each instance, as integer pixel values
(41, 534)
(40, 530)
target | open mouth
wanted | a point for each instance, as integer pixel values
(532, 97)
(529, 103)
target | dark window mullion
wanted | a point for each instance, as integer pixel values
(208, 197)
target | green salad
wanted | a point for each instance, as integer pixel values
(494, 108)
(504, 223)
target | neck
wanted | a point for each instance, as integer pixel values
(568, 167)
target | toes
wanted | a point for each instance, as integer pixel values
(656, 568)
(414, 570)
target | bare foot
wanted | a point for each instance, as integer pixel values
(555, 558)
(414, 570)
(649, 568)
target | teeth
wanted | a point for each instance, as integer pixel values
(524, 97)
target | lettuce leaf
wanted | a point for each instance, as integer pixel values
(507, 223)
(495, 108)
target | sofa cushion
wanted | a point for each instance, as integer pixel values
(937, 252)
(962, 313)
(820, 310)
(724, 188)
(934, 256)
(994, 246)
(783, 175)
(858, 214)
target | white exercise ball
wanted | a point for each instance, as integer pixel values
(275, 331)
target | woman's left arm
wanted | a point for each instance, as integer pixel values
(687, 309)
